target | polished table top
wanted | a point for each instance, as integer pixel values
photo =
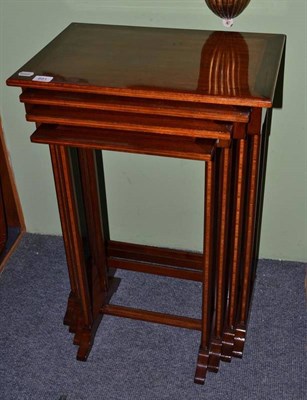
(177, 64)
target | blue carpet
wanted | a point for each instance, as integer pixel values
(136, 360)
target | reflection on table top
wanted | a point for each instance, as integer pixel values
(177, 64)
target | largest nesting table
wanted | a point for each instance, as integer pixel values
(170, 92)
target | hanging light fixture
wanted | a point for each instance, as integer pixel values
(227, 9)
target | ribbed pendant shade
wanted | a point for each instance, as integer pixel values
(227, 9)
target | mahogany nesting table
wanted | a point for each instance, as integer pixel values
(189, 94)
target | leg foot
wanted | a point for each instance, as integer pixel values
(215, 355)
(227, 345)
(239, 342)
(72, 313)
(202, 367)
(84, 339)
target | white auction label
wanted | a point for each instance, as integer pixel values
(25, 73)
(42, 78)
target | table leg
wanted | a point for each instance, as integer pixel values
(236, 219)
(207, 283)
(79, 315)
(261, 184)
(97, 271)
(224, 180)
(248, 245)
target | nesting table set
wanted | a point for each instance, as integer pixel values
(187, 94)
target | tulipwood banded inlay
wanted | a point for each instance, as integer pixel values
(181, 109)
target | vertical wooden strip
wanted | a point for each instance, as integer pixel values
(208, 257)
(64, 216)
(250, 228)
(207, 282)
(264, 139)
(69, 212)
(235, 254)
(236, 233)
(222, 222)
(248, 247)
(92, 203)
(102, 194)
(222, 241)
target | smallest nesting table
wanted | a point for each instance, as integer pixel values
(188, 94)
